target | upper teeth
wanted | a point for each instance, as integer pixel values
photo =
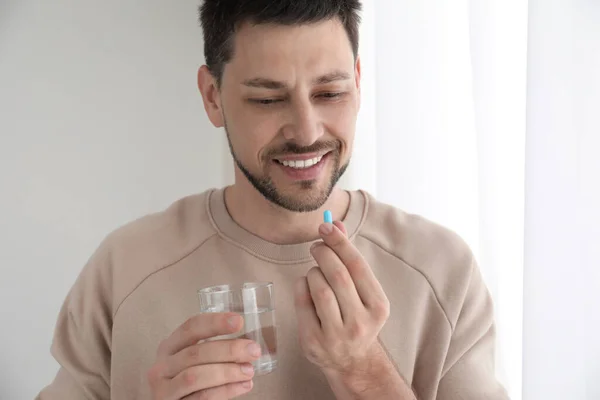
(301, 163)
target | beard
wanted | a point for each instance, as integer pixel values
(310, 198)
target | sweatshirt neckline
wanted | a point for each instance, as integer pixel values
(232, 232)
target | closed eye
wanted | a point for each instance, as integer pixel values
(271, 101)
(331, 95)
(265, 102)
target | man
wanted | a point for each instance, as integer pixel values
(378, 305)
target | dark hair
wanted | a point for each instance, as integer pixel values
(220, 19)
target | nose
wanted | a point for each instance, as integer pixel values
(305, 127)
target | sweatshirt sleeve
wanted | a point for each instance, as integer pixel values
(82, 336)
(469, 372)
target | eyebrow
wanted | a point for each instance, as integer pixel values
(266, 83)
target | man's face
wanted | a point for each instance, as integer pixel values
(289, 99)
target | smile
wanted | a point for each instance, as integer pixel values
(300, 163)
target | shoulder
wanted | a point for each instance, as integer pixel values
(439, 254)
(166, 235)
(136, 250)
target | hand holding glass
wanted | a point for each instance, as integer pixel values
(254, 302)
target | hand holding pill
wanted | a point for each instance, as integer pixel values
(341, 306)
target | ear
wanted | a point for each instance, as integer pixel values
(211, 96)
(357, 72)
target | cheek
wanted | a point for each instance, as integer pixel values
(252, 134)
(341, 123)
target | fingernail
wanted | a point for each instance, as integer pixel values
(248, 370)
(326, 229)
(247, 385)
(253, 349)
(233, 321)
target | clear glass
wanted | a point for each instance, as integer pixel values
(254, 301)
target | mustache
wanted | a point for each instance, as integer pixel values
(293, 148)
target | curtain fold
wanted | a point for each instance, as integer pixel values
(442, 134)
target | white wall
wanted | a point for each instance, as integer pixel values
(100, 122)
(561, 345)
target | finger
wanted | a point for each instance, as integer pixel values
(200, 327)
(368, 287)
(306, 314)
(218, 351)
(326, 304)
(339, 279)
(341, 227)
(228, 391)
(208, 376)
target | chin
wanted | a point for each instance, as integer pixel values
(304, 196)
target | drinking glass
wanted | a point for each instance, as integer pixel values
(254, 301)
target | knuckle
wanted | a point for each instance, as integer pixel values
(357, 330)
(311, 341)
(188, 377)
(220, 374)
(341, 277)
(307, 300)
(310, 346)
(312, 354)
(325, 294)
(242, 350)
(302, 299)
(355, 264)
(193, 352)
(381, 309)
(232, 373)
(339, 240)
(154, 373)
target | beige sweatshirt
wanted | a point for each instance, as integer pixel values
(142, 283)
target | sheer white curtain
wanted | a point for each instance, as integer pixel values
(483, 115)
(442, 133)
(561, 344)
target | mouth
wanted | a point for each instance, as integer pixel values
(303, 166)
(301, 163)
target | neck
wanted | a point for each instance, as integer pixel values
(254, 213)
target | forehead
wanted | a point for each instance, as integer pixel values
(289, 53)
